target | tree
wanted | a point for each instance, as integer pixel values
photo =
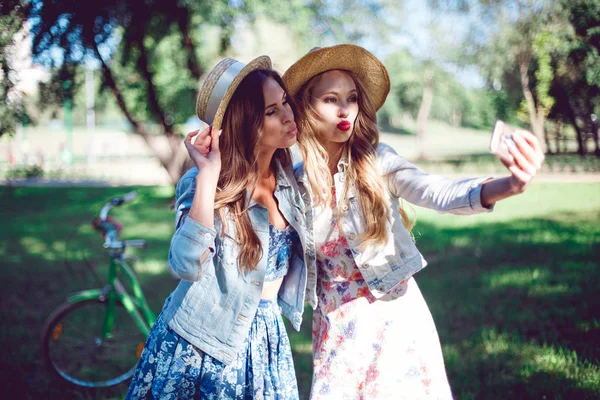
(503, 43)
(575, 53)
(12, 110)
(153, 52)
(86, 31)
(551, 47)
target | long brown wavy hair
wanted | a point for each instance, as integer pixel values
(360, 152)
(242, 126)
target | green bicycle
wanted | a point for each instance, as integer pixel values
(91, 340)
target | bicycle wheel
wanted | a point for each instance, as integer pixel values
(72, 346)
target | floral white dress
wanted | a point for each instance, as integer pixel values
(365, 348)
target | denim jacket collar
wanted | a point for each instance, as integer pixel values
(338, 179)
(342, 165)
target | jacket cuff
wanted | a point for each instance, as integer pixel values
(188, 246)
(475, 196)
(195, 228)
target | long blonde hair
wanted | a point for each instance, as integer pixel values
(360, 152)
(242, 123)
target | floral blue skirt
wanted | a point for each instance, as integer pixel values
(172, 368)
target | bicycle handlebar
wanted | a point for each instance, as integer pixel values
(139, 243)
(111, 237)
(115, 202)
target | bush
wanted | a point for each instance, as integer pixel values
(25, 172)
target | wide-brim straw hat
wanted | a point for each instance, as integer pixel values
(220, 85)
(371, 72)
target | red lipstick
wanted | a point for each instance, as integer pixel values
(343, 125)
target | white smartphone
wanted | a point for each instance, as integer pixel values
(502, 139)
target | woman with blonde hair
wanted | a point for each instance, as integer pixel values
(373, 334)
(239, 248)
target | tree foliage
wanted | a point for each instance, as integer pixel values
(452, 102)
(544, 57)
(152, 53)
(12, 109)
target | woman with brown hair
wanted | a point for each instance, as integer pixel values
(371, 325)
(239, 248)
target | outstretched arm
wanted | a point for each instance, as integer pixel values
(526, 159)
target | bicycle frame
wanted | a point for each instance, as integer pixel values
(114, 291)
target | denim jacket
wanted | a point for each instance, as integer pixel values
(214, 304)
(384, 267)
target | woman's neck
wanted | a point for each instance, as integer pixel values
(264, 165)
(334, 151)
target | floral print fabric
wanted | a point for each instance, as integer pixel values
(172, 368)
(280, 251)
(365, 348)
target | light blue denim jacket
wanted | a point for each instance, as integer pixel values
(384, 267)
(214, 304)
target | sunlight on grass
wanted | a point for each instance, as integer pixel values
(546, 290)
(566, 363)
(519, 278)
(161, 191)
(451, 355)
(461, 241)
(150, 230)
(37, 247)
(496, 343)
(540, 199)
(586, 326)
(537, 281)
(85, 229)
(537, 361)
(151, 267)
(303, 348)
(59, 247)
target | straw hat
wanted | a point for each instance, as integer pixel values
(371, 72)
(220, 85)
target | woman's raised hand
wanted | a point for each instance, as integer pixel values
(204, 151)
(527, 159)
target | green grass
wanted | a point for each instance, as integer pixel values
(513, 293)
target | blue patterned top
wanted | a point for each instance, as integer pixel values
(280, 251)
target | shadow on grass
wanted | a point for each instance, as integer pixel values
(516, 306)
(515, 303)
(50, 250)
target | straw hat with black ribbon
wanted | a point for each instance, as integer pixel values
(371, 72)
(220, 85)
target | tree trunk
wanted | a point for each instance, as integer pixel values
(560, 126)
(536, 114)
(596, 134)
(188, 43)
(581, 147)
(155, 106)
(593, 126)
(174, 162)
(547, 141)
(424, 110)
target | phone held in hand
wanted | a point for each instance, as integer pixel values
(502, 139)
